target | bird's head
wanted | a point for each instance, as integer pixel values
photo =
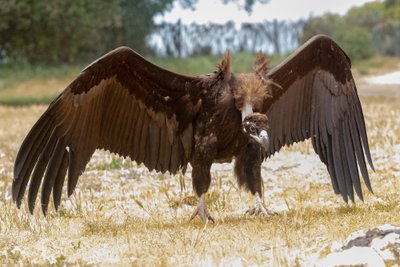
(255, 126)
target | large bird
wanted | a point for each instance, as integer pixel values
(125, 104)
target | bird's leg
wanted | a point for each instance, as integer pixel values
(202, 159)
(248, 172)
(260, 208)
(201, 178)
(202, 210)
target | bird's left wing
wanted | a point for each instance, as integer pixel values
(315, 97)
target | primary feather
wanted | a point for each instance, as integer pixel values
(318, 100)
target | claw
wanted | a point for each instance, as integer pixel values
(202, 211)
(260, 209)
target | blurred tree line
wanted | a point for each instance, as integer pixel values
(373, 28)
(48, 31)
(180, 40)
(58, 31)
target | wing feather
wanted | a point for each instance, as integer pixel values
(33, 153)
(317, 99)
(154, 137)
(60, 178)
(39, 170)
(351, 160)
(49, 179)
(138, 130)
(121, 103)
(143, 139)
(132, 120)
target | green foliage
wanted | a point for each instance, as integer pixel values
(44, 31)
(326, 24)
(367, 16)
(137, 21)
(356, 42)
(386, 37)
(56, 31)
(363, 31)
(392, 9)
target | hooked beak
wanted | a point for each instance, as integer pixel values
(262, 138)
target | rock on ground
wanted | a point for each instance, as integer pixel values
(376, 247)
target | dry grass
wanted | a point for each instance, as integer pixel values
(121, 214)
(37, 91)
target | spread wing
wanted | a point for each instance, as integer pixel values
(318, 100)
(121, 103)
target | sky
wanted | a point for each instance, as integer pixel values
(214, 11)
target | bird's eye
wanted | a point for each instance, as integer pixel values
(252, 128)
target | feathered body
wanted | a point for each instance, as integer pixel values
(125, 104)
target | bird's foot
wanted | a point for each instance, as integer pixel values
(260, 209)
(202, 211)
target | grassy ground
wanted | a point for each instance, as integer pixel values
(122, 214)
(20, 85)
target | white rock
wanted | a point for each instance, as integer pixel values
(353, 256)
(371, 247)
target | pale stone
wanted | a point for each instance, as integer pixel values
(370, 247)
(353, 256)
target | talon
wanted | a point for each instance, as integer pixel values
(260, 209)
(202, 211)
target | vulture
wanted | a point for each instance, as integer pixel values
(124, 104)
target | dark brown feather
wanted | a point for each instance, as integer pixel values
(118, 103)
(59, 179)
(126, 105)
(318, 90)
(53, 167)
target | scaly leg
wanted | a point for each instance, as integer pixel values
(201, 182)
(260, 208)
(248, 172)
(202, 211)
(202, 159)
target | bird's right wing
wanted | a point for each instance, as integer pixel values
(121, 103)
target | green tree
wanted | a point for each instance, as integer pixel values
(363, 31)
(55, 30)
(137, 21)
(355, 41)
(392, 10)
(386, 38)
(326, 24)
(368, 15)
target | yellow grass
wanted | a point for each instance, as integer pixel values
(35, 88)
(121, 214)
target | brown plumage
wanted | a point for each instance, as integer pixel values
(127, 105)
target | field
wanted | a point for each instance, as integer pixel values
(121, 214)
